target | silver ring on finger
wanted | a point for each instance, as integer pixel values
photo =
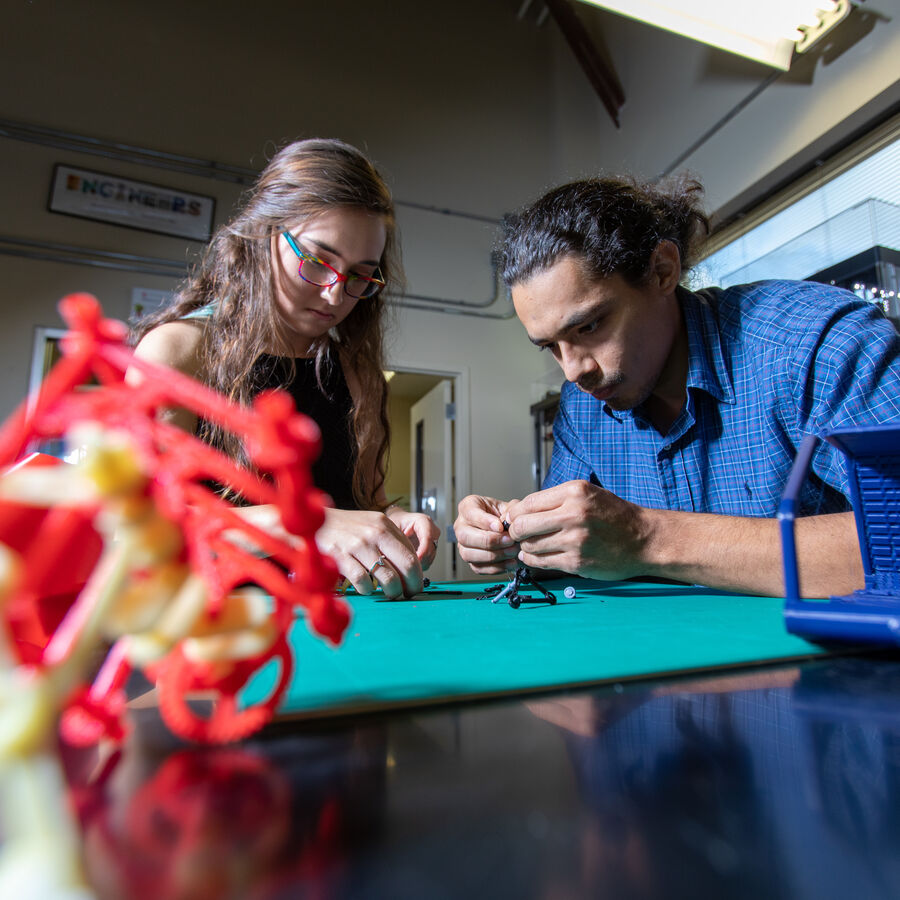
(381, 561)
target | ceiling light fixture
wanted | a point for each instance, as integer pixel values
(768, 31)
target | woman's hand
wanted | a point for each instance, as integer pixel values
(371, 551)
(421, 530)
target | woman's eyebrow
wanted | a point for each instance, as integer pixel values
(333, 252)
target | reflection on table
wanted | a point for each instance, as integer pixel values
(772, 783)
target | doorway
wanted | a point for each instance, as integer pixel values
(421, 472)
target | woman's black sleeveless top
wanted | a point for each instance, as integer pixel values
(330, 407)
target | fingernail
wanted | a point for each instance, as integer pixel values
(506, 541)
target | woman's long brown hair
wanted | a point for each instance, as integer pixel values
(303, 180)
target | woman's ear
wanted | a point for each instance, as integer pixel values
(665, 264)
(273, 251)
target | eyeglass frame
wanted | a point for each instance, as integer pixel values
(339, 277)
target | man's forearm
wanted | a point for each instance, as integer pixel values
(743, 554)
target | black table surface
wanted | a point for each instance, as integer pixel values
(773, 782)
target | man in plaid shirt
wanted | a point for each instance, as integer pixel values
(682, 412)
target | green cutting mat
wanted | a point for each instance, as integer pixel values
(436, 648)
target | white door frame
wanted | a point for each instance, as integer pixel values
(462, 448)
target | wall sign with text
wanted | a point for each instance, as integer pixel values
(133, 204)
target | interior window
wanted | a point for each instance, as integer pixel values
(845, 232)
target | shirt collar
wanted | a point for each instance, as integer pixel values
(706, 362)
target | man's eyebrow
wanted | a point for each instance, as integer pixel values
(333, 252)
(576, 321)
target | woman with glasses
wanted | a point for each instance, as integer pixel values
(290, 294)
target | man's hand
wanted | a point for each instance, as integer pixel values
(483, 540)
(580, 528)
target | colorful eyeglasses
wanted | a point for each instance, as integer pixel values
(315, 271)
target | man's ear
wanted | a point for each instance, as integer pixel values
(665, 264)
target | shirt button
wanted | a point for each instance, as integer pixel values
(667, 446)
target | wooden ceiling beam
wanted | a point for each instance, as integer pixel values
(600, 74)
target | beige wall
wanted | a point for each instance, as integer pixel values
(396, 482)
(465, 107)
(212, 80)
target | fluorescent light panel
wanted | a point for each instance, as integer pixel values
(764, 30)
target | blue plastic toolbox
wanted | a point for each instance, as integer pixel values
(872, 614)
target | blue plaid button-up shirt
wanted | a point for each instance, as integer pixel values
(769, 363)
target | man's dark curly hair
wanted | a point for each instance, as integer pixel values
(612, 224)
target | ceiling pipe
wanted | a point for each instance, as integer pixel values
(48, 251)
(158, 159)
